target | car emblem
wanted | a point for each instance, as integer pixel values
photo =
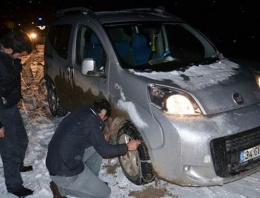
(238, 98)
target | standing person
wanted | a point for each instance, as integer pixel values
(75, 150)
(13, 136)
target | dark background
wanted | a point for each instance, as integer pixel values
(233, 26)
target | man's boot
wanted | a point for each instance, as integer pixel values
(55, 190)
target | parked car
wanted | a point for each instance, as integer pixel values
(196, 112)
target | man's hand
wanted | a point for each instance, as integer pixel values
(2, 132)
(133, 145)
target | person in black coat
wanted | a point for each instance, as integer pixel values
(13, 136)
(76, 149)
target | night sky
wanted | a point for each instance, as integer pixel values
(233, 26)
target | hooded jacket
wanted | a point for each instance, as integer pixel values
(78, 131)
(10, 81)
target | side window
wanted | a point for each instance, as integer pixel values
(62, 40)
(52, 35)
(59, 38)
(89, 46)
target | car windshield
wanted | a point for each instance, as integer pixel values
(160, 46)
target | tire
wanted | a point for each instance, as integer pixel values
(54, 103)
(136, 165)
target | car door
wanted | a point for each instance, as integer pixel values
(61, 62)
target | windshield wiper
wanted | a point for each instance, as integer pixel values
(205, 61)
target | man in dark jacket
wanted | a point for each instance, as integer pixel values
(13, 136)
(75, 150)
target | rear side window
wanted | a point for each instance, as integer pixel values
(59, 38)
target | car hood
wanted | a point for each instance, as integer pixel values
(218, 87)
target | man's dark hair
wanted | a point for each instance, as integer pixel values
(102, 106)
(18, 41)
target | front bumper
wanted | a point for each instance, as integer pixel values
(205, 151)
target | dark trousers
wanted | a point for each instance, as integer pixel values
(13, 147)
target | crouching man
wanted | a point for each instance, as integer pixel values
(75, 153)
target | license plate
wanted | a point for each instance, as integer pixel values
(249, 153)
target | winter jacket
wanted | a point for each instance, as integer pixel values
(10, 81)
(78, 131)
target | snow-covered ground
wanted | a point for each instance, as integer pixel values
(41, 126)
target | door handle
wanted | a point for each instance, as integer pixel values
(70, 71)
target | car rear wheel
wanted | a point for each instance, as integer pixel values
(54, 103)
(136, 165)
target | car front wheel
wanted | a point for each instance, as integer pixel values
(136, 165)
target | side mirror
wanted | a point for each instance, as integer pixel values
(88, 65)
(89, 68)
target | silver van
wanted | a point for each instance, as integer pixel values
(196, 112)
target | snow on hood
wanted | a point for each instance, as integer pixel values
(197, 77)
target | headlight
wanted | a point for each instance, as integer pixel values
(258, 79)
(173, 101)
(256, 74)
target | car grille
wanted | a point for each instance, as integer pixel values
(226, 152)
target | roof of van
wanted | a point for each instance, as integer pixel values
(137, 14)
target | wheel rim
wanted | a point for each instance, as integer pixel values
(130, 160)
(52, 100)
